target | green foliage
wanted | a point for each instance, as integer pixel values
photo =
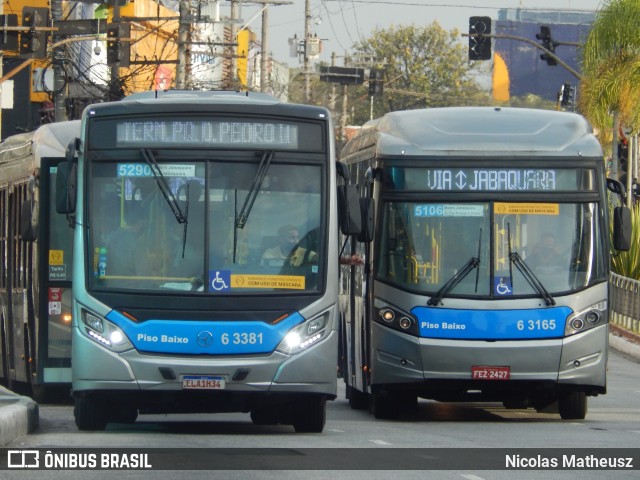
(532, 101)
(611, 66)
(627, 264)
(319, 92)
(424, 67)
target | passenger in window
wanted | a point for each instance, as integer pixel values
(545, 253)
(293, 253)
(122, 256)
(289, 237)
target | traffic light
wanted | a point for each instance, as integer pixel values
(376, 81)
(567, 95)
(623, 161)
(548, 43)
(479, 47)
(118, 51)
(34, 42)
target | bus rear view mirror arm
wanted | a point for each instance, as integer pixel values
(66, 187)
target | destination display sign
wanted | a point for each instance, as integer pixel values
(491, 179)
(216, 132)
(209, 132)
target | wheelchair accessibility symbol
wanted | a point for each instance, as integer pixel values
(502, 286)
(219, 280)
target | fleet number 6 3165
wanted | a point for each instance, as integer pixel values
(536, 324)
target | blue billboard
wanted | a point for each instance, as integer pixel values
(528, 74)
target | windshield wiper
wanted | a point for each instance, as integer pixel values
(252, 194)
(181, 216)
(172, 201)
(256, 185)
(474, 262)
(527, 273)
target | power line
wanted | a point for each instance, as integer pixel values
(475, 6)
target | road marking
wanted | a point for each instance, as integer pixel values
(469, 476)
(380, 442)
(334, 430)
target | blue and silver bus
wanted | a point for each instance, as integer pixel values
(36, 252)
(175, 197)
(487, 260)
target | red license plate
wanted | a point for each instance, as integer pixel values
(479, 372)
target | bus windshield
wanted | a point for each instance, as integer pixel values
(162, 224)
(468, 249)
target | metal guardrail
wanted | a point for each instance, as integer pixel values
(625, 302)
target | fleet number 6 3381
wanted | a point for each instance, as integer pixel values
(241, 338)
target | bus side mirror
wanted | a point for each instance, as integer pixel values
(349, 214)
(367, 208)
(66, 187)
(29, 214)
(343, 171)
(72, 149)
(618, 188)
(622, 229)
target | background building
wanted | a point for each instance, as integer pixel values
(517, 65)
(144, 57)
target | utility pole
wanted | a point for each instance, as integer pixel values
(183, 30)
(332, 99)
(343, 119)
(59, 84)
(307, 33)
(264, 57)
(115, 69)
(233, 74)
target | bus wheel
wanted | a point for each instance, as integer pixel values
(309, 415)
(572, 405)
(385, 407)
(124, 414)
(264, 416)
(40, 393)
(89, 413)
(357, 400)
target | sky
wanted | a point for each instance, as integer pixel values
(341, 23)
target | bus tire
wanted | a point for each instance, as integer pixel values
(309, 415)
(124, 414)
(408, 403)
(4, 353)
(357, 400)
(40, 393)
(89, 414)
(264, 416)
(384, 407)
(572, 405)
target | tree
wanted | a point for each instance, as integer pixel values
(424, 67)
(320, 91)
(611, 67)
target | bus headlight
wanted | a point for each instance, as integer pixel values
(304, 335)
(393, 317)
(590, 317)
(104, 332)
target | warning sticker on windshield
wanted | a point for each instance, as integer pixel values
(296, 282)
(527, 209)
